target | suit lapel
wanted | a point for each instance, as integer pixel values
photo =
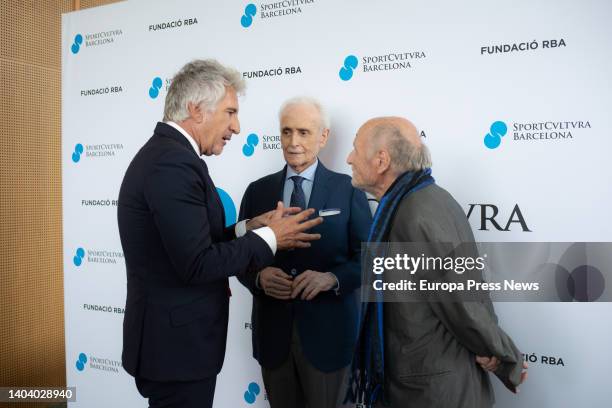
(320, 188)
(276, 188)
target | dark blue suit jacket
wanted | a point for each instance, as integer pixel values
(178, 257)
(327, 325)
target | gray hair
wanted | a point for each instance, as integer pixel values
(405, 156)
(203, 83)
(306, 100)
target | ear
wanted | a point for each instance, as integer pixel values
(383, 161)
(324, 138)
(196, 112)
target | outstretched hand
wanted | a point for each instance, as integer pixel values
(262, 220)
(289, 230)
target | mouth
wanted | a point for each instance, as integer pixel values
(227, 138)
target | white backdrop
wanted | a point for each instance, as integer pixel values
(453, 68)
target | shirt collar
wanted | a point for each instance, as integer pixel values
(308, 173)
(187, 135)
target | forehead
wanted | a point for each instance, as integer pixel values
(300, 115)
(363, 133)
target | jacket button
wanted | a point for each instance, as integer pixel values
(293, 272)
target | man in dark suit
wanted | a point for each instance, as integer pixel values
(305, 311)
(423, 353)
(178, 252)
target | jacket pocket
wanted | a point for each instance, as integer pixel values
(423, 378)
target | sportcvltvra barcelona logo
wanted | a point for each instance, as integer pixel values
(95, 39)
(535, 131)
(97, 363)
(96, 151)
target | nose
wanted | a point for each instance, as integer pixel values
(235, 125)
(349, 158)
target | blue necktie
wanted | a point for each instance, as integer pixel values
(298, 199)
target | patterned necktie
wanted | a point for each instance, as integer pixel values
(298, 199)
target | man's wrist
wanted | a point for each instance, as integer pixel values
(241, 228)
(336, 283)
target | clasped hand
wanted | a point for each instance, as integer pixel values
(279, 285)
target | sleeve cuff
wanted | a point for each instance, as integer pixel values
(240, 229)
(267, 235)
(257, 280)
(336, 287)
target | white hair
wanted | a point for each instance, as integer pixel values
(201, 82)
(306, 100)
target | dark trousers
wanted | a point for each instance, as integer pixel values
(297, 384)
(178, 394)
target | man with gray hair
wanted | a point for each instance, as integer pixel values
(178, 250)
(421, 353)
(305, 309)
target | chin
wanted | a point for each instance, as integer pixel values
(296, 163)
(357, 183)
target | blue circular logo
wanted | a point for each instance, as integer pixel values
(250, 395)
(76, 45)
(249, 147)
(228, 207)
(78, 258)
(156, 85)
(249, 12)
(80, 364)
(78, 150)
(493, 139)
(350, 63)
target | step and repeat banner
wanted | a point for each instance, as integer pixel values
(513, 99)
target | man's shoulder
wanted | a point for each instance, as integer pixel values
(161, 156)
(431, 199)
(431, 192)
(160, 149)
(341, 182)
(433, 211)
(431, 203)
(340, 178)
(267, 181)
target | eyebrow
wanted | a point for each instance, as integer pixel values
(298, 129)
